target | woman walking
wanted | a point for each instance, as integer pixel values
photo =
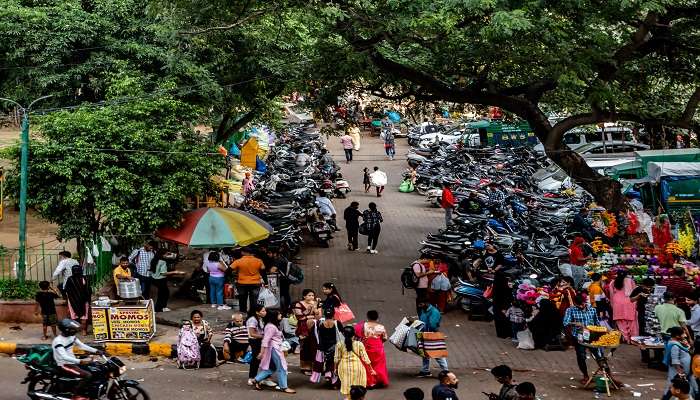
(326, 333)
(216, 269)
(305, 312)
(272, 353)
(677, 358)
(373, 219)
(372, 334)
(333, 299)
(350, 360)
(255, 336)
(624, 311)
(159, 275)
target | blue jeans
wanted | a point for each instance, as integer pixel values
(281, 373)
(216, 290)
(441, 362)
(145, 282)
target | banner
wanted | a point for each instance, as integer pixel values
(130, 323)
(100, 327)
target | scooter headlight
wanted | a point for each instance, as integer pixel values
(122, 370)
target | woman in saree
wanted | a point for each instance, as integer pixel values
(373, 335)
(305, 311)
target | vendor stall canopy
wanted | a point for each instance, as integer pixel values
(217, 227)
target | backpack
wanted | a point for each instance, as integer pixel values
(187, 348)
(295, 275)
(409, 279)
(40, 356)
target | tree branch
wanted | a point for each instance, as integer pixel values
(690, 108)
(237, 23)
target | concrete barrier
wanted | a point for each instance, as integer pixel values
(111, 348)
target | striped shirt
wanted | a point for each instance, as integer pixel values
(142, 259)
(238, 334)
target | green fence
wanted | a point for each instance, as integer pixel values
(40, 263)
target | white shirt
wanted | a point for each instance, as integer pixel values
(64, 269)
(63, 349)
(378, 178)
(325, 205)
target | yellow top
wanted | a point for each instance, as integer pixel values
(122, 272)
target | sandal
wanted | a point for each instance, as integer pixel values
(256, 385)
(287, 390)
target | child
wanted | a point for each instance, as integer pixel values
(235, 338)
(516, 316)
(45, 302)
(288, 326)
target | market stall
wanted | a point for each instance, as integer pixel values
(123, 321)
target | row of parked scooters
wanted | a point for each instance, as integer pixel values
(530, 228)
(285, 194)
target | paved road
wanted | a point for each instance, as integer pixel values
(372, 282)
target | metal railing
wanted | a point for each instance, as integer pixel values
(40, 263)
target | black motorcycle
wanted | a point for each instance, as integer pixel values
(45, 382)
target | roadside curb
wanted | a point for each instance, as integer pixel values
(113, 349)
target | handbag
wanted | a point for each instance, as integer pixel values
(399, 336)
(364, 229)
(440, 282)
(343, 313)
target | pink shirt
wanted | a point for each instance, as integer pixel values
(346, 141)
(272, 340)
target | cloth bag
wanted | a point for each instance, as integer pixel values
(525, 340)
(433, 344)
(267, 298)
(343, 313)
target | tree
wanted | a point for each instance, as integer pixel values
(598, 61)
(124, 169)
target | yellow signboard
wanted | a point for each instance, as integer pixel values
(124, 323)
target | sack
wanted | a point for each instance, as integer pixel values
(409, 279)
(187, 349)
(433, 344)
(363, 229)
(295, 275)
(267, 298)
(40, 356)
(525, 340)
(441, 282)
(343, 313)
(406, 186)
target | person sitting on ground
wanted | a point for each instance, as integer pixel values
(413, 393)
(68, 364)
(526, 391)
(504, 376)
(445, 390)
(235, 339)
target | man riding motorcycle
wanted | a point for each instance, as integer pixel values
(64, 357)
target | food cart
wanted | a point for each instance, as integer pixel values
(123, 321)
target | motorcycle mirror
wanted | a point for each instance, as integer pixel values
(533, 276)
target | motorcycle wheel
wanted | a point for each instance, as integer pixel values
(128, 393)
(38, 384)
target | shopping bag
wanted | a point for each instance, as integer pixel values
(441, 282)
(267, 298)
(406, 186)
(433, 344)
(525, 340)
(364, 229)
(488, 293)
(411, 342)
(399, 336)
(343, 313)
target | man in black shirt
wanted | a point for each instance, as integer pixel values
(492, 259)
(445, 390)
(352, 224)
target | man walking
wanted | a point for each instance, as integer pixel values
(431, 317)
(142, 259)
(352, 215)
(348, 145)
(378, 179)
(447, 201)
(63, 270)
(445, 390)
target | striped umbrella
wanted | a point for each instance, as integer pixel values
(217, 227)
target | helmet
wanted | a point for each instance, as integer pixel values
(68, 327)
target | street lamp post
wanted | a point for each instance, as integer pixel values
(24, 174)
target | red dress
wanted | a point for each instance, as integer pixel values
(374, 345)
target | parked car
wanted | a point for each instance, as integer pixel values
(576, 138)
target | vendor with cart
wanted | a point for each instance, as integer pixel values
(578, 317)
